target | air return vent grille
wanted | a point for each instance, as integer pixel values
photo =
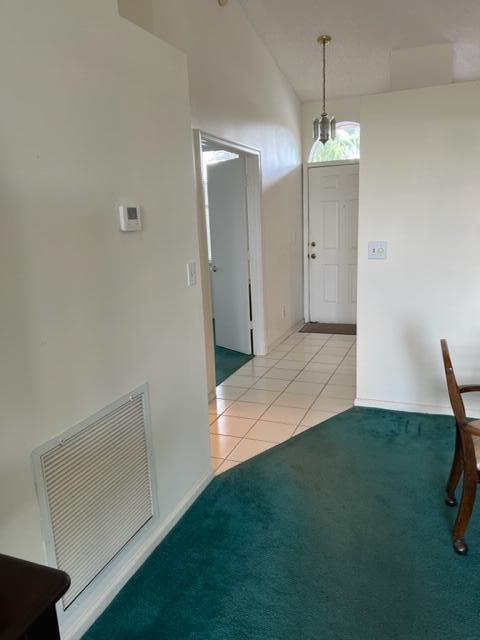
(96, 486)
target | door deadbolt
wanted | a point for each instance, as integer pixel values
(314, 244)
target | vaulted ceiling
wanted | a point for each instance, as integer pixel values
(364, 32)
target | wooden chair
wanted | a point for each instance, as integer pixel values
(467, 455)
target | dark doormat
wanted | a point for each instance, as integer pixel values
(323, 327)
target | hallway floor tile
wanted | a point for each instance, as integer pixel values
(302, 382)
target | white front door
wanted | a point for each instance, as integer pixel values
(227, 204)
(332, 247)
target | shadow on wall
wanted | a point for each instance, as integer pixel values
(426, 383)
(422, 355)
(18, 338)
(283, 256)
(140, 12)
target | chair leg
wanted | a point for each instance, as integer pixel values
(470, 481)
(455, 473)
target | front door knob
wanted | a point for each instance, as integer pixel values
(313, 256)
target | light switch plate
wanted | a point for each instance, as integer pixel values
(377, 250)
(191, 274)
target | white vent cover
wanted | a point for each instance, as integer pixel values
(95, 483)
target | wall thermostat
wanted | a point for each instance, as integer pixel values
(130, 218)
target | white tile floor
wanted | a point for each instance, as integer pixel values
(310, 377)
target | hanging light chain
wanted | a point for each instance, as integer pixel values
(324, 127)
(324, 44)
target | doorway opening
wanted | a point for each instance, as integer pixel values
(229, 194)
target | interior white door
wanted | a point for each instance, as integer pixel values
(332, 248)
(227, 203)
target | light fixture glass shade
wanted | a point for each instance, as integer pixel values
(324, 128)
(333, 128)
(316, 129)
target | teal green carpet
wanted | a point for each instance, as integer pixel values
(228, 361)
(338, 534)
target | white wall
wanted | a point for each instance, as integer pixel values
(238, 93)
(420, 191)
(344, 109)
(94, 112)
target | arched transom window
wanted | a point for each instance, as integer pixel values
(346, 145)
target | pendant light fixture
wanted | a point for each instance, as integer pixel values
(324, 128)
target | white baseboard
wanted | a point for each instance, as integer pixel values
(410, 407)
(100, 601)
(286, 335)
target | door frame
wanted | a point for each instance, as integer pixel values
(254, 221)
(306, 225)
